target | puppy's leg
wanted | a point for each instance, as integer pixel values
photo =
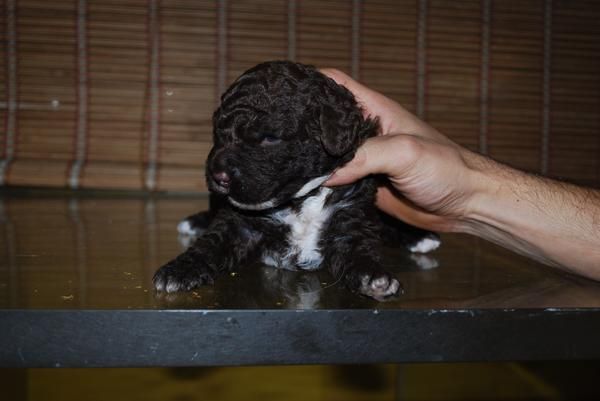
(396, 232)
(196, 224)
(352, 252)
(228, 241)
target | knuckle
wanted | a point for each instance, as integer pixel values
(360, 158)
(409, 145)
(335, 74)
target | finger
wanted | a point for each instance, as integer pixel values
(350, 172)
(369, 159)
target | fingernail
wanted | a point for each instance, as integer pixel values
(332, 180)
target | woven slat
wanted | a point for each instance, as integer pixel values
(120, 93)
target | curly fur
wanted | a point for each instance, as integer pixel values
(282, 128)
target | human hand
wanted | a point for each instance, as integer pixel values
(438, 185)
(432, 179)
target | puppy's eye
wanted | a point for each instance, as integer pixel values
(270, 140)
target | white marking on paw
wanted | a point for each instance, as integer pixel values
(159, 285)
(185, 228)
(172, 287)
(426, 245)
(379, 288)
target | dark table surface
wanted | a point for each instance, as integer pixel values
(75, 290)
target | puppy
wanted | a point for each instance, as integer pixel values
(281, 130)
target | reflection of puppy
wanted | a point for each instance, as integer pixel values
(295, 291)
(281, 130)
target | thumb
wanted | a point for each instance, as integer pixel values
(369, 159)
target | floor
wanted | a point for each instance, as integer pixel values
(499, 381)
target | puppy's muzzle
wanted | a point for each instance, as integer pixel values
(220, 172)
(222, 179)
(221, 182)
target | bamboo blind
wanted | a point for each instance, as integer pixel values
(120, 93)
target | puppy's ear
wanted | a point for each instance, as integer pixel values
(343, 128)
(336, 139)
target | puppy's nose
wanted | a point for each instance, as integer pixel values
(222, 178)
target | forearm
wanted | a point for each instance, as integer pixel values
(553, 222)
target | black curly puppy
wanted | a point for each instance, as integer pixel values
(281, 130)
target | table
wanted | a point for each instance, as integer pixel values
(75, 291)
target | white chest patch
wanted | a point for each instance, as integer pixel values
(306, 227)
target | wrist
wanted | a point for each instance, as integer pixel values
(483, 186)
(502, 210)
(500, 195)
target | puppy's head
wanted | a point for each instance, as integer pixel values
(282, 128)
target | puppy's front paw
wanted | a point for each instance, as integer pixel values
(179, 276)
(194, 225)
(380, 286)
